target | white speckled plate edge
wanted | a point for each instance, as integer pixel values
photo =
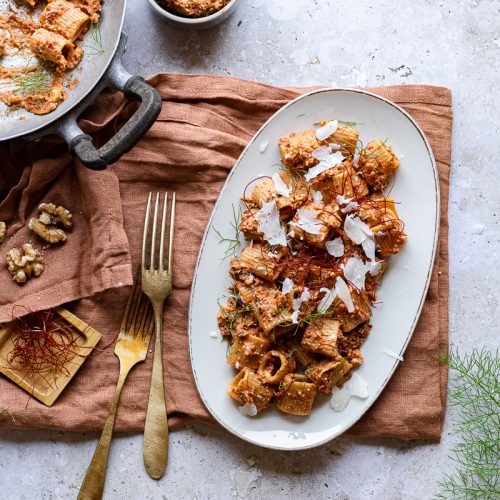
(393, 323)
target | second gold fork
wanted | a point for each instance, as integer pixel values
(157, 285)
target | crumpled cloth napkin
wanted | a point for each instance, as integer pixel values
(204, 124)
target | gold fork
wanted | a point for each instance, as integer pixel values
(157, 285)
(131, 348)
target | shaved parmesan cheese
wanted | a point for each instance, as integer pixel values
(327, 300)
(287, 286)
(263, 146)
(280, 186)
(251, 277)
(295, 317)
(335, 247)
(342, 200)
(291, 233)
(304, 297)
(297, 435)
(327, 130)
(392, 354)
(307, 221)
(355, 271)
(248, 410)
(350, 207)
(327, 162)
(356, 386)
(213, 335)
(317, 196)
(270, 224)
(374, 267)
(344, 294)
(356, 229)
(355, 160)
(340, 399)
(273, 255)
(369, 248)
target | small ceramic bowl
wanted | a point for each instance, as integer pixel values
(196, 22)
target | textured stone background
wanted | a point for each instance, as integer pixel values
(295, 42)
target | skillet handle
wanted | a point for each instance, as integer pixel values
(135, 88)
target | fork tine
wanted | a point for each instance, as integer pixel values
(123, 326)
(162, 238)
(171, 238)
(145, 233)
(153, 235)
(133, 322)
(146, 317)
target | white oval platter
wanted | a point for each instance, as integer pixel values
(403, 289)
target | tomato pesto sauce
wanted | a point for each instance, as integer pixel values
(40, 42)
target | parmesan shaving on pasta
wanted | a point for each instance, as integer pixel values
(270, 224)
(327, 130)
(280, 186)
(317, 196)
(325, 163)
(355, 271)
(344, 294)
(307, 221)
(361, 234)
(327, 300)
(369, 248)
(304, 297)
(248, 410)
(335, 247)
(295, 317)
(287, 286)
(349, 204)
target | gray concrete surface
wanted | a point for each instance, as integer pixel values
(449, 42)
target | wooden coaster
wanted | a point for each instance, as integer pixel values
(48, 388)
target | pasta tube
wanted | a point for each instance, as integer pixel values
(296, 395)
(377, 163)
(321, 337)
(55, 48)
(325, 374)
(274, 365)
(64, 18)
(247, 388)
(247, 351)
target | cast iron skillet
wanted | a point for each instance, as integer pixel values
(101, 66)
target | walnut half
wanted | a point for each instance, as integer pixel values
(50, 217)
(25, 264)
(3, 229)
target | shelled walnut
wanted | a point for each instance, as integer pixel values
(24, 263)
(3, 229)
(50, 217)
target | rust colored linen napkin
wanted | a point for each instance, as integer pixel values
(204, 124)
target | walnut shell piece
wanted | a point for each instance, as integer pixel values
(25, 263)
(50, 217)
(3, 230)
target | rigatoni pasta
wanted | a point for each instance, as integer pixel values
(318, 234)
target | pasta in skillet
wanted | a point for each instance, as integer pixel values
(319, 233)
(36, 53)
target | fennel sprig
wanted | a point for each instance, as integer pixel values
(474, 391)
(233, 242)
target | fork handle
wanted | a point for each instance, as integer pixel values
(93, 484)
(156, 427)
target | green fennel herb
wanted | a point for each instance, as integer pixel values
(474, 390)
(95, 47)
(231, 243)
(33, 80)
